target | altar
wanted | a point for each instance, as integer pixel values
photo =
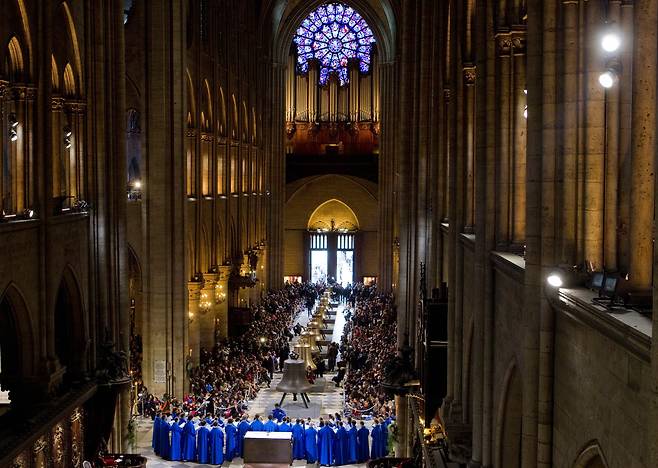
(268, 449)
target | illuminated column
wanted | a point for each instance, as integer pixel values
(193, 299)
(207, 311)
(503, 166)
(469, 73)
(221, 296)
(643, 143)
(519, 135)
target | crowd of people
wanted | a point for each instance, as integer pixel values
(368, 343)
(331, 441)
(234, 370)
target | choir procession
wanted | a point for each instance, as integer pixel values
(210, 424)
(329, 442)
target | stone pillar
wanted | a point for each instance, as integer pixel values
(469, 74)
(207, 311)
(643, 143)
(503, 158)
(193, 299)
(221, 308)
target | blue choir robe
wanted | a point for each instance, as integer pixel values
(216, 446)
(257, 426)
(202, 444)
(231, 441)
(311, 443)
(375, 450)
(326, 438)
(383, 437)
(342, 452)
(165, 446)
(176, 439)
(278, 414)
(352, 456)
(298, 450)
(362, 448)
(189, 442)
(155, 440)
(271, 426)
(243, 428)
(285, 427)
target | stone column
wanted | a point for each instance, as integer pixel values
(504, 122)
(221, 308)
(193, 299)
(469, 74)
(643, 135)
(207, 311)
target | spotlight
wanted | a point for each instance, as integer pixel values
(67, 137)
(262, 339)
(554, 280)
(608, 78)
(13, 125)
(138, 184)
(525, 112)
(14, 135)
(610, 42)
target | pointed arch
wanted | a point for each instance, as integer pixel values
(222, 112)
(254, 132)
(54, 73)
(334, 212)
(73, 38)
(206, 105)
(234, 117)
(509, 419)
(16, 62)
(71, 329)
(245, 123)
(69, 81)
(27, 34)
(191, 101)
(16, 336)
(591, 456)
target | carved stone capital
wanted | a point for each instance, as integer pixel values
(56, 104)
(194, 290)
(224, 272)
(447, 94)
(206, 136)
(76, 107)
(504, 44)
(210, 280)
(469, 73)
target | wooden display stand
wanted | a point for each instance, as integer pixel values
(267, 449)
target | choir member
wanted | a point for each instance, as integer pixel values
(155, 440)
(341, 453)
(189, 440)
(176, 440)
(285, 426)
(165, 446)
(216, 444)
(257, 425)
(202, 436)
(383, 438)
(311, 443)
(278, 413)
(352, 456)
(363, 452)
(243, 428)
(326, 444)
(270, 425)
(231, 439)
(298, 448)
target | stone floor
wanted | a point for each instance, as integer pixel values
(325, 398)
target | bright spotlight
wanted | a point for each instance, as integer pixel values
(262, 339)
(138, 184)
(607, 79)
(610, 42)
(554, 280)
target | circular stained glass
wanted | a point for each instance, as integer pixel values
(333, 35)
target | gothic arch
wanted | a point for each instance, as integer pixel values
(206, 106)
(509, 419)
(191, 103)
(234, 118)
(70, 330)
(73, 38)
(591, 456)
(15, 62)
(54, 74)
(222, 112)
(16, 336)
(69, 81)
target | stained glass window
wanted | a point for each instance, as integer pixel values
(334, 34)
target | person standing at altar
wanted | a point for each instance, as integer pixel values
(257, 425)
(363, 452)
(243, 428)
(278, 413)
(298, 449)
(176, 440)
(231, 439)
(202, 436)
(216, 444)
(352, 456)
(326, 438)
(285, 426)
(189, 440)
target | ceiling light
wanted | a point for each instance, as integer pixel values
(554, 280)
(610, 42)
(608, 78)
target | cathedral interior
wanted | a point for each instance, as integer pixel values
(489, 164)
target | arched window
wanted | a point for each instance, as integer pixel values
(334, 34)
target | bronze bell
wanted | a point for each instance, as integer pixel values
(310, 338)
(303, 350)
(294, 379)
